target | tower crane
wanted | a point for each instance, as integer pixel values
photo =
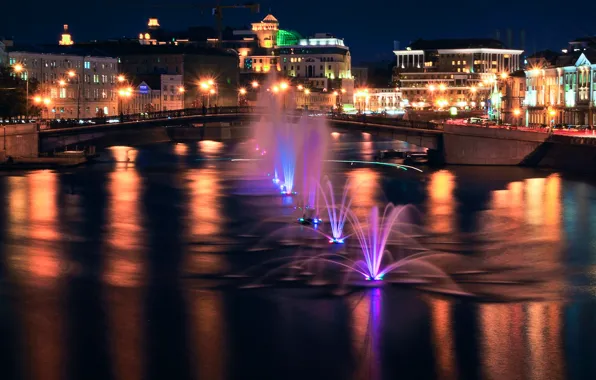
(217, 12)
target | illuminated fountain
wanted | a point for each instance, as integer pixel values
(381, 249)
(292, 147)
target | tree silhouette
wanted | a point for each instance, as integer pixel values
(13, 96)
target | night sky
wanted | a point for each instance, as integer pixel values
(368, 27)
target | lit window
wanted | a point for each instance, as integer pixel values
(87, 65)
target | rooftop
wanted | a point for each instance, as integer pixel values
(118, 48)
(468, 43)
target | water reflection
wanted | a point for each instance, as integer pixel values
(366, 335)
(36, 256)
(125, 273)
(442, 204)
(443, 341)
(209, 330)
(124, 155)
(364, 190)
(521, 341)
(209, 148)
(205, 220)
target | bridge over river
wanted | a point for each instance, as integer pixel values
(447, 143)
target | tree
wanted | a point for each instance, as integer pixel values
(13, 95)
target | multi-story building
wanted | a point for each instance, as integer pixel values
(452, 72)
(72, 82)
(155, 93)
(194, 63)
(378, 100)
(562, 91)
(508, 98)
(3, 55)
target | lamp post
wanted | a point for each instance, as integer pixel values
(283, 86)
(124, 93)
(517, 112)
(18, 68)
(241, 94)
(181, 91)
(72, 75)
(306, 98)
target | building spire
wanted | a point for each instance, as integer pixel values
(66, 37)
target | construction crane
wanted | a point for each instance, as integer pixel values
(216, 11)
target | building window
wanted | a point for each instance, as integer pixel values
(62, 93)
(87, 64)
(96, 78)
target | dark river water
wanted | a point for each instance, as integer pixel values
(114, 271)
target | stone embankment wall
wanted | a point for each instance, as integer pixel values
(18, 140)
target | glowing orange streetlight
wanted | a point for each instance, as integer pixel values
(18, 68)
(121, 78)
(504, 75)
(300, 87)
(212, 91)
(473, 89)
(61, 83)
(47, 101)
(181, 89)
(431, 87)
(343, 90)
(283, 86)
(442, 87)
(517, 112)
(37, 99)
(242, 91)
(255, 84)
(275, 89)
(307, 91)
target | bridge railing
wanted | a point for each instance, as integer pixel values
(389, 121)
(123, 118)
(574, 140)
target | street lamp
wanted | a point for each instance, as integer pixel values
(306, 97)
(255, 84)
(241, 94)
(72, 74)
(181, 91)
(124, 93)
(121, 78)
(42, 101)
(18, 68)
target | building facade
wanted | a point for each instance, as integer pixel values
(153, 93)
(563, 93)
(3, 55)
(193, 63)
(71, 83)
(452, 72)
(378, 100)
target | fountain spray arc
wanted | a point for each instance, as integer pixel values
(296, 145)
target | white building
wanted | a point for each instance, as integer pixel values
(563, 92)
(155, 93)
(379, 100)
(452, 71)
(74, 83)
